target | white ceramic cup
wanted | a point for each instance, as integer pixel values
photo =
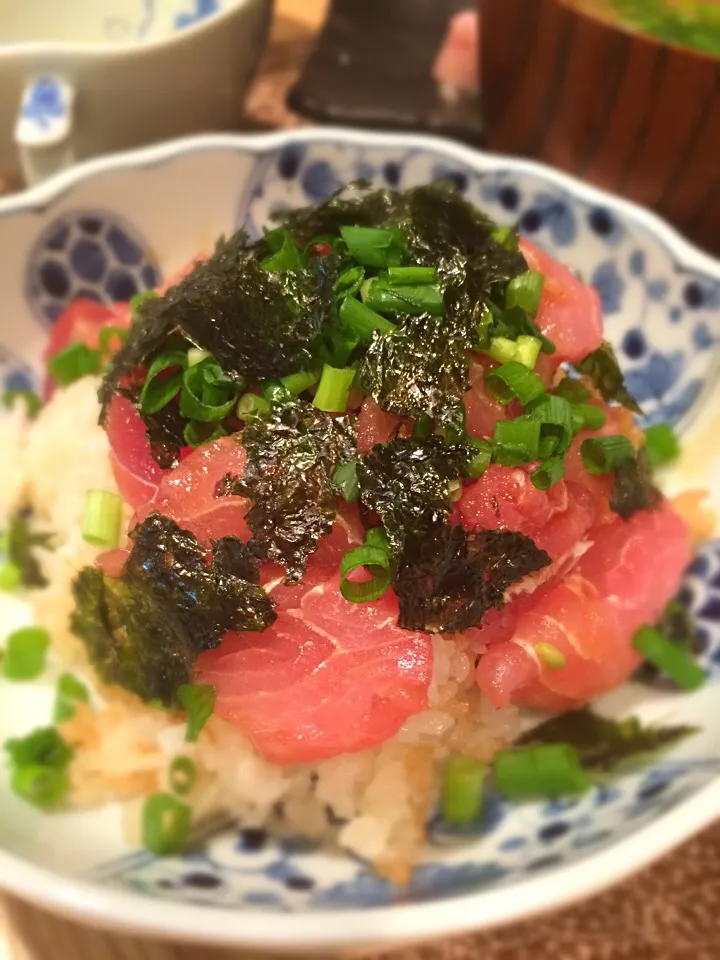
(84, 77)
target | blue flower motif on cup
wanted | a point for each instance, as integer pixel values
(201, 10)
(44, 102)
(87, 254)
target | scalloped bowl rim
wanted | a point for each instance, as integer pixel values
(402, 923)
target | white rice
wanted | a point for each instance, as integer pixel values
(374, 803)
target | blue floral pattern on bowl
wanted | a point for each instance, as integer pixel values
(89, 254)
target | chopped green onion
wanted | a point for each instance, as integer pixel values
(462, 790)
(416, 300)
(207, 394)
(363, 321)
(334, 388)
(548, 473)
(74, 362)
(250, 405)
(44, 747)
(525, 291)
(345, 479)
(275, 238)
(297, 383)
(275, 392)
(549, 656)
(199, 701)
(349, 282)
(377, 537)
(556, 423)
(507, 237)
(165, 824)
(513, 381)
(183, 774)
(401, 276)
(516, 441)
(669, 658)
(25, 653)
(481, 458)
(195, 356)
(102, 518)
(661, 444)
(605, 454)
(42, 786)
(157, 391)
(137, 301)
(286, 256)
(375, 246)
(572, 390)
(10, 576)
(196, 434)
(544, 771)
(502, 349)
(528, 350)
(377, 560)
(586, 416)
(106, 337)
(32, 401)
(70, 692)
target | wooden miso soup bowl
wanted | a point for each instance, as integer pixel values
(614, 107)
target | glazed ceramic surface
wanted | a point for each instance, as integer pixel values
(84, 77)
(119, 225)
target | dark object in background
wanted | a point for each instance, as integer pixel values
(372, 67)
(619, 109)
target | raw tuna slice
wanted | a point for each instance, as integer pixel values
(330, 678)
(570, 312)
(136, 472)
(623, 581)
(504, 498)
(187, 493)
(347, 532)
(374, 426)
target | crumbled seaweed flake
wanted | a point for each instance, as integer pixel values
(352, 205)
(633, 488)
(421, 369)
(292, 454)
(21, 546)
(407, 483)
(447, 578)
(604, 744)
(256, 324)
(604, 370)
(145, 629)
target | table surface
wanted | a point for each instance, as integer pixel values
(669, 912)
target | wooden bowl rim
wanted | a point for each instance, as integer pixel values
(639, 36)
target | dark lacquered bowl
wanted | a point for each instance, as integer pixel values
(617, 108)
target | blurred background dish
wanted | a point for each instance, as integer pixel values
(80, 77)
(622, 93)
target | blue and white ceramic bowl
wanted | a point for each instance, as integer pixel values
(118, 226)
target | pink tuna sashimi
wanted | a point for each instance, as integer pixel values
(570, 312)
(374, 426)
(347, 532)
(482, 412)
(136, 472)
(504, 498)
(331, 678)
(187, 493)
(623, 581)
